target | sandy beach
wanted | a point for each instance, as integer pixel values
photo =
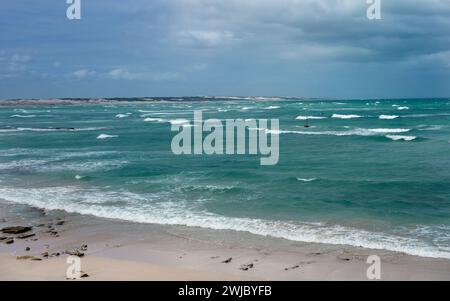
(117, 250)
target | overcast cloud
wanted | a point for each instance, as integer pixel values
(312, 48)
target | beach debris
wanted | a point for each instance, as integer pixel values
(9, 241)
(228, 260)
(299, 265)
(84, 247)
(16, 230)
(75, 252)
(28, 257)
(55, 254)
(292, 267)
(348, 256)
(26, 236)
(3, 238)
(27, 249)
(45, 254)
(246, 267)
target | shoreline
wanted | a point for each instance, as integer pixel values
(120, 250)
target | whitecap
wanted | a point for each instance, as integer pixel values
(154, 120)
(306, 179)
(341, 116)
(352, 132)
(389, 130)
(179, 121)
(22, 116)
(401, 137)
(106, 136)
(123, 115)
(309, 117)
(272, 108)
(389, 117)
(430, 127)
(403, 108)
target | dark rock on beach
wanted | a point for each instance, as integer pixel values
(26, 236)
(28, 257)
(16, 230)
(247, 267)
(228, 260)
(84, 275)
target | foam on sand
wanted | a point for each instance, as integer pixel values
(141, 209)
(341, 116)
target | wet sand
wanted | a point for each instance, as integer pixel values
(118, 250)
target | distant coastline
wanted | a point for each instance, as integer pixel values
(172, 99)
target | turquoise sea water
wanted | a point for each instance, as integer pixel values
(371, 173)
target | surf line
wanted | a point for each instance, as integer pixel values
(233, 132)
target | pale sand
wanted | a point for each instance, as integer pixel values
(120, 250)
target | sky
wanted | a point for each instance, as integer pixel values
(298, 48)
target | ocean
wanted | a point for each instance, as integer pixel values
(370, 173)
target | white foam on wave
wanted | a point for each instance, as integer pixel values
(123, 115)
(306, 179)
(342, 116)
(403, 108)
(272, 108)
(179, 121)
(309, 117)
(106, 136)
(389, 130)
(12, 130)
(430, 127)
(388, 117)
(401, 137)
(150, 119)
(148, 208)
(351, 132)
(22, 116)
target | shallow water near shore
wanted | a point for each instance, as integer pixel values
(371, 173)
